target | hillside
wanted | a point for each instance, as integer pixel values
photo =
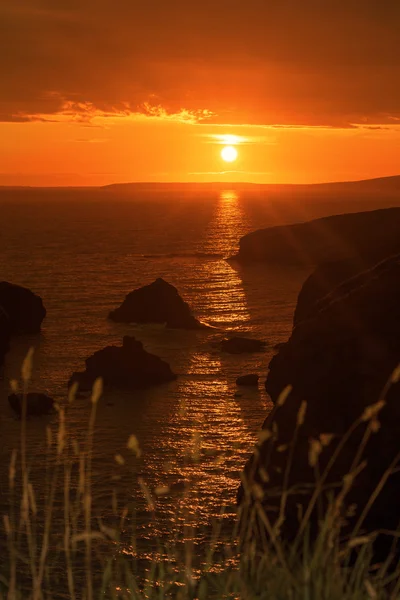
(366, 236)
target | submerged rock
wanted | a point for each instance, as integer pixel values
(251, 379)
(23, 309)
(127, 366)
(338, 361)
(239, 345)
(158, 302)
(36, 404)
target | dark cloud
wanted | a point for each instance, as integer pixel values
(260, 61)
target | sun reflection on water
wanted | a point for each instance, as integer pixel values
(209, 440)
(226, 301)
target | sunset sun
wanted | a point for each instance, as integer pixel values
(229, 154)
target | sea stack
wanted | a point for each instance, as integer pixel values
(36, 404)
(158, 302)
(129, 366)
(23, 309)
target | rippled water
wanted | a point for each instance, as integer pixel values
(83, 252)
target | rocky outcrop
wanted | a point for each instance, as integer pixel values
(36, 404)
(4, 336)
(279, 346)
(23, 309)
(367, 237)
(338, 362)
(158, 302)
(321, 282)
(248, 380)
(239, 345)
(128, 366)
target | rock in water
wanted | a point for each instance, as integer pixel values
(158, 302)
(36, 404)
(250, 379)
(23, 308)
(239, 345)
(337, 361)
(127, 366)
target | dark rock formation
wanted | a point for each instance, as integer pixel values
(4, 336)
(158, 302)
(250, 379)
(85, 382)
(338, 361)
(366, 236)
(127, 366)
(279, 346)
(321, 282)
(36, 404)
(239, 345)
(23, 309)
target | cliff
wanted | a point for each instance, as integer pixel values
(367, 237)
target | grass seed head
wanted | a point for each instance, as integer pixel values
(284, 395)
(264, 435)
(14, 386)
(315, 449)
(371, 411)
(302, 413)
(395, 377)
(119, 459)
(72, 392)
(97, 390)
(326, 438)
(27, 365)
(133, 445)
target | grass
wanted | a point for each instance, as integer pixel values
(90, 559)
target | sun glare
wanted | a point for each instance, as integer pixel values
(229, 154)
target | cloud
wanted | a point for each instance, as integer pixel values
(237, 140)
(230, 172)
(90, 140)
(297, 63)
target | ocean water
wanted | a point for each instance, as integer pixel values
(82, 251)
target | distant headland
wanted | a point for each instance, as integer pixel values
(390, 183)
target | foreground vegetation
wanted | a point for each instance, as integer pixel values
(89, 559)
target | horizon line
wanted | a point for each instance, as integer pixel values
(200, 183)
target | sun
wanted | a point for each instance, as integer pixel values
(229, 154)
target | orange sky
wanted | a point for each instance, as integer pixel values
(94, 92)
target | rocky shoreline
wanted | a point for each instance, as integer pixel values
(335, 385)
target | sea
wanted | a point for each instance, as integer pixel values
(83, 251)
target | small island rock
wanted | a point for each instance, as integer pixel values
(158, 302)
(127, 366)
(239, 345)
(23, 309)
(250, 380)
(36, 404)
